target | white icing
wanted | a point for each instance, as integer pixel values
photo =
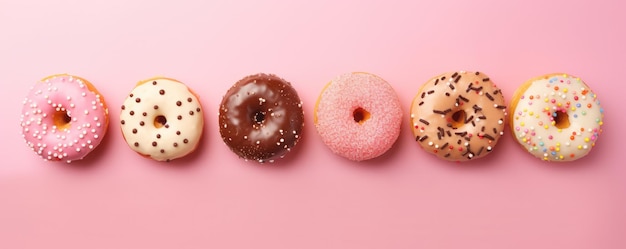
(178, 137)
(534, 126)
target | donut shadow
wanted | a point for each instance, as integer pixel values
(187, 161)
(491, 161)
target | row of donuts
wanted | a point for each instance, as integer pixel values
(457, 116)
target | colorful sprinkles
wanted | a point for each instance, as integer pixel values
(457, 116)
(557, 117)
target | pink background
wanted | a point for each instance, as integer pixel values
(312, 198)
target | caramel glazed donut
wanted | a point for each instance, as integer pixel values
(458, 116)
(261, 118)
(161, 118)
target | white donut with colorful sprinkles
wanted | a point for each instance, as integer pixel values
(556, 117)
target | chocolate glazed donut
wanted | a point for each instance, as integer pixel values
(261, 118)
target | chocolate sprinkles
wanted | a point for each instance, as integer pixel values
(477, 108)
(457, 79)
(467, 151)
(489, 96)
(442, 112)
(441, 133)
(480, 151)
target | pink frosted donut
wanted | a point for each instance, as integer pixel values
(64, 118)
(358, 115)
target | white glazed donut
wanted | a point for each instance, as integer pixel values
(161, 118)
(556, 117)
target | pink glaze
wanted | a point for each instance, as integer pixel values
(336, 123)
(43, 112)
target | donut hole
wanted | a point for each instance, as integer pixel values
(561, 119)
(458, 118)
(160, 121)
(61, 120)
(360, 115)
(258, 117)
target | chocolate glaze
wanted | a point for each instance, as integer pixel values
(261, 117)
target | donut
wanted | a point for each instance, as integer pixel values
(358, 116)
(162, 119)
(458, 116)
(64, 118)
(556, 117)
(261, 118)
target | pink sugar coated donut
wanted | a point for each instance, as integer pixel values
(358, 115)
(63, 118)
